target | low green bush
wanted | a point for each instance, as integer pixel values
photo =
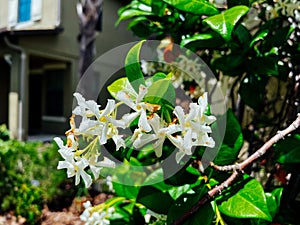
(28, 177)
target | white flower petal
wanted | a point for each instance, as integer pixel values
(118, 141)
(93, 107)
(96, 171)
(143, 122)
(111, 105)
(158, 145)
(143, 139)
(124, 97)
(179, 155)
(142, 92)
(179, 112)
(202, 101)
(103, 137)
(106, 162)
(129, 117)
(195, 111)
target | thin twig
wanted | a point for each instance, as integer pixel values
(238, 169)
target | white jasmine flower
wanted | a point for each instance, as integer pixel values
(96, 165)
(73, 168)
(139, 107)
(159, 135)
(195, 127)
(86, 108)
(105, 126)
(77, 169)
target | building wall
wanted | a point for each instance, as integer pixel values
(112, 36)
(3, 14)
(51, 54)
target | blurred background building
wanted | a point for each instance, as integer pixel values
(39, 56)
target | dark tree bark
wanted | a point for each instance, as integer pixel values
(89, 12)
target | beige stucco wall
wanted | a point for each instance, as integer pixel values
(63, 44)
(3, 14)
(49, 20)
(50, 17)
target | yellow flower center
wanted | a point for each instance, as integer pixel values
(75, 168)
(103, 119)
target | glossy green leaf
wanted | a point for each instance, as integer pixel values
(147, 2)
(224, 23)
(131, 13)
(161, 90)
(121, 84)
(162, 93)
(199, 7)
(232, 142)
(204, 40)
(271, 203)
(287, 151)
(154, 199)
(258, 37)
(133, 68)
(245, 199)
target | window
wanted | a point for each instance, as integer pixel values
(20, 11)
(24, 10)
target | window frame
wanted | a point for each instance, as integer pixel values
(13, 13)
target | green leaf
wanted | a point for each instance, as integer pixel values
(156, 179)
(278, 38)
(129, 192)
(158, 7)
(243, 35)
(159, 91)
(154, 199)
(182, 177)
(232, 142)
(143, 28)
(132, 67)
(130, 13)
(287, 152)
(157, 76)
(204, 40)
(199, 7)
(184, 203)
(233, 3)
(259, 36)
(224, 23)
(121, 84)
(253, 84)
(272, 205)
(263, 66)
(147, 2)
(162, 93)
(245, 199)
(229, 64)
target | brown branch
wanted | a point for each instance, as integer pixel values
(238, 168)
